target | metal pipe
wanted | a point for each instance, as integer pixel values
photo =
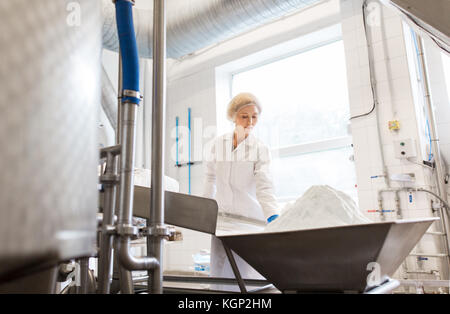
(130, 101)
(396, 190)
(127, 163)
(106, 245)
(125, 228)
(445, 256)
(84, 275)
(397, 206)
(155, 242)
(393, 190)
(127, 262)
(100, 219)
(437, 255)
(446, 205)
(106, 242)
(374, 89)
(125, 277)
(119, 102)
(134, 263)
(196, 24)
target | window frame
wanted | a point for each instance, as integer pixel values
(226, 73)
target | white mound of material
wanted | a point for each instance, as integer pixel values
(320, 206)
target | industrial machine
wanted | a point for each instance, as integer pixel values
(325, 260)
(48, 195)
(51, 81)
(330, 260)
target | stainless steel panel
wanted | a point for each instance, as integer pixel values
(328, 259)
(41, 281)
(428, 18)
(433, 16)
(186, 211)
(50, 87)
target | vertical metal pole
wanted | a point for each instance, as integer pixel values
(119, 102)
(155, 242)
(375, 97)
(84, 274)
(125, 276)
(127, 162)
(105, 255)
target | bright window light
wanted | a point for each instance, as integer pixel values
(305, 114)
(304, 97)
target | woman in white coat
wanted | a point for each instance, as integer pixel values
(238, 177)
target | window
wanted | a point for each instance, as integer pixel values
(438, 74)
(305, 119)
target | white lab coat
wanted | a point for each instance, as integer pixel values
(240, 181)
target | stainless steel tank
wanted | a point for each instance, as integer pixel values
(50, 95)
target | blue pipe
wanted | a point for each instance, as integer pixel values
(128, 49)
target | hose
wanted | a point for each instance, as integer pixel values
(446, 205)
(129, 51)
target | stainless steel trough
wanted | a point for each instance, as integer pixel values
(332, 259)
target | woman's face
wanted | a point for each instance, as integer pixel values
(246, 118)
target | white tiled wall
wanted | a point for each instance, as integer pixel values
(396, 102)
(196, 92)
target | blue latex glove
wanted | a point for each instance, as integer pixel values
(272, 218)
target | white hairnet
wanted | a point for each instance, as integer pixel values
(240, 101)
